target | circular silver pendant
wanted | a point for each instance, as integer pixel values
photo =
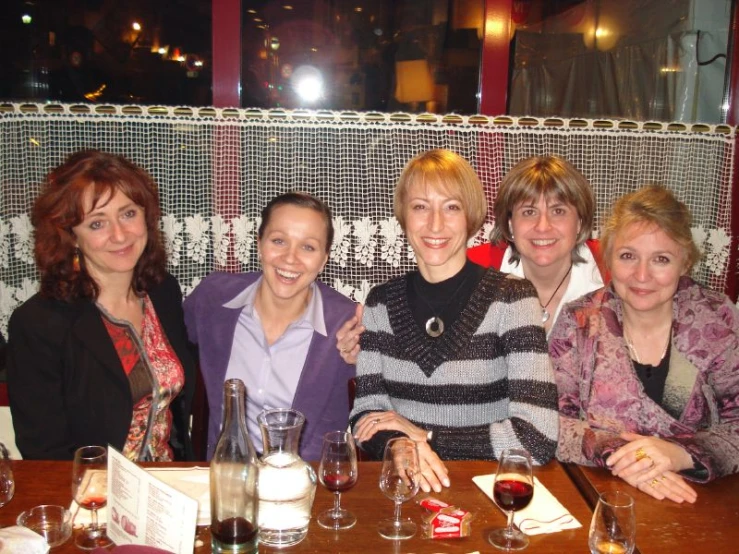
(544, 316)
(434, 327)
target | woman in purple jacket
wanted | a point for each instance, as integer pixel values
(275, 329)
(648, 368)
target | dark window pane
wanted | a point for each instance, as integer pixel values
(106, 51)
(385, 55)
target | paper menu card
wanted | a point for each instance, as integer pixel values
(193, 481)
(144, 510)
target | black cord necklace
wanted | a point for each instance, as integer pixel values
(544, 313)
(435, 324)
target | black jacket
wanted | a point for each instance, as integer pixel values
(66, 384)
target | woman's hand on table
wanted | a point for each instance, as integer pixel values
(669, 485)
(347, 338)
(434, 474)
(644, 458)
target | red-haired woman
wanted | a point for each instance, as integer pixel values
(100, 354)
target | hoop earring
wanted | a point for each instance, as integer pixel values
(76, 260)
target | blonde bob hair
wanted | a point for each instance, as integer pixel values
(449, 172)
(652, 206)
(553, 178)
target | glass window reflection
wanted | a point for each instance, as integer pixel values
(373, 55)
(636, 59)
(106, 51)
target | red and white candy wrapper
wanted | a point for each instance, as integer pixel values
(432, 504)
(444, 521)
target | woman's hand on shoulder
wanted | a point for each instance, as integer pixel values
(347, 338)
(645, 458)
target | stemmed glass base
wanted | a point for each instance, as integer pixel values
(400, 529)
(90, 539)
(336, 519)
(508, 539)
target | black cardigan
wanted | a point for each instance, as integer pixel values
(66, 384)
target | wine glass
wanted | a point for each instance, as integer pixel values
(399, 482)
(613, 527)
(7, 482)
(90, 491)
(512, 490)
(337, 472)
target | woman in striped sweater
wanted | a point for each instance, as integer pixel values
(454, 356)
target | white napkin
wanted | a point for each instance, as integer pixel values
(192, 481)
(21, 540)
(545, 514)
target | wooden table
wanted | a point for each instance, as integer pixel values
(49, 483)
(663, 527)
(711, 525)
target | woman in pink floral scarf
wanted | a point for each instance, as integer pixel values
(647, 368)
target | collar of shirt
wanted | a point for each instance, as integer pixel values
(312, 316)
(585, 277)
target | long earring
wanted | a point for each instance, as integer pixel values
(76, 260)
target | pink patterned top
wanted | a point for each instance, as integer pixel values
(156, 377)
(601, 396)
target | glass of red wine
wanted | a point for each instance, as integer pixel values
(338, 473)
(90, 491)
(399, 480)
(513, 490)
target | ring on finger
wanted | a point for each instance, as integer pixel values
(376, 421)
(654, 482)
(640, 454)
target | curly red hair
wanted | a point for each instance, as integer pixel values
(60, 207)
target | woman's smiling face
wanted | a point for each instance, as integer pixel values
(293, 251)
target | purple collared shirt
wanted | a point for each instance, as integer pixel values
(270, 372)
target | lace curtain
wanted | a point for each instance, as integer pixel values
(217, 168)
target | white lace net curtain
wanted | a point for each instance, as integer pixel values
(216, 169)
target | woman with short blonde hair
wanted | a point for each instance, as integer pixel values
(647, 368)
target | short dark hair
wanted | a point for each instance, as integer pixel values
(60, 207)
(302, 200)
(553, 177)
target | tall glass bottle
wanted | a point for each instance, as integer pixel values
(233, 479)
(287, 484)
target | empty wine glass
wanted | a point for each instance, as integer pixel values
(399, 482)
(90, 491)
(613, 527)
(7, 482)
(338, 472)
(513, 490)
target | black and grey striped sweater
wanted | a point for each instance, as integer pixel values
(485, 385)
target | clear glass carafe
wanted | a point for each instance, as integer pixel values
(233, 479)
(287, 484)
